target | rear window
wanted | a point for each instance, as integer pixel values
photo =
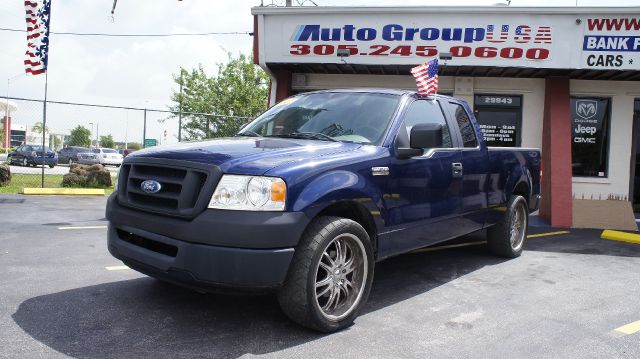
(107, 150)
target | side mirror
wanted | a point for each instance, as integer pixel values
(426, 135)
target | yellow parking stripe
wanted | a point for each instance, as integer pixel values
(630, 328)
(621, 236)
(116, 268)
(83, 227)
(547, 234)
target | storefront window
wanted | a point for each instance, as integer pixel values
(590, 136)
(499, 117)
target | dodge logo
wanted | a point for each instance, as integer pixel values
(586, 108)
(151, 186)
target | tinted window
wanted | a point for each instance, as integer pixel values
(590, 119)
(95, 150)
(354, 117)
(466, 128)
(107, 150)
(427, 112)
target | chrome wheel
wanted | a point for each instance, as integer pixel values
(340, 277)
(518, 227)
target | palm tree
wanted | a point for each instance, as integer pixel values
(37, 128)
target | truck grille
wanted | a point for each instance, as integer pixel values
(186, 187)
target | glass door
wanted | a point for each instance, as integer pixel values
(635, 159)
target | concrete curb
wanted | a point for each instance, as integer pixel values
(64, 191)
(620, 236)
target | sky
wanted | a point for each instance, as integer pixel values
(137, 72)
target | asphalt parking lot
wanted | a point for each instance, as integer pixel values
(62, 294)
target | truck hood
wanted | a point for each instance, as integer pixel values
(247, 155)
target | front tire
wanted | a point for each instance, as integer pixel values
(508, 237)
(330, 276)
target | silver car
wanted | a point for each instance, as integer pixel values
(103, 156)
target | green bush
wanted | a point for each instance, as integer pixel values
(95, 176)
(5, 175)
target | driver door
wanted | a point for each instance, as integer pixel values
(423, 193)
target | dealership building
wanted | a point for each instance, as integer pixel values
(563, 79)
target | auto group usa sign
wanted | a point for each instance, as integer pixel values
(546, 41)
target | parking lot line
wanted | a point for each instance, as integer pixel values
(620, 236)
(547, 234)
(116, 268)
(630, 328)
(82, 227)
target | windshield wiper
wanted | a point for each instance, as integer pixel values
(248, 133)
(308, 135)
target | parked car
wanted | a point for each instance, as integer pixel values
(311, 194)
(103, 156)
(69, 154)
(32, 155)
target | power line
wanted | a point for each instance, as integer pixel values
(138, 35)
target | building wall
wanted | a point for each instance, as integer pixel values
(622, 94)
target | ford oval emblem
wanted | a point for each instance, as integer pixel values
(151, 186)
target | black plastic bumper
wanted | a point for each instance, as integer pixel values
(217, 249)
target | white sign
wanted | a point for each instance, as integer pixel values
(500, 39)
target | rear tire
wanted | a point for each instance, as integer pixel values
(508, 237)
(330, 276)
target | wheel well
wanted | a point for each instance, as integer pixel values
(355, 212)
(522, 189)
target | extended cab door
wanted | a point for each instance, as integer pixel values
(475, 169)
(422, 196)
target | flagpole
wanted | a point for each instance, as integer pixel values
(44, 121)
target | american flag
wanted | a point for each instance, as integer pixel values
(426, 77)
(523, 34)
(504, 34)
(38, 17)
(543, 36)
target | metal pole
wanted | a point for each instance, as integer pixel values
(98, 134)
(44, 121)
(144, 129)
(288, 3)
(6, 130)
(179, 110)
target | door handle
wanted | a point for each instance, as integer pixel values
(456, 170)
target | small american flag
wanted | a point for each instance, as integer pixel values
(543, 36)
(426, 77)
(38, 16)
(523, 34)
(504, 34)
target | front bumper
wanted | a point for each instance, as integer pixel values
(216, 250)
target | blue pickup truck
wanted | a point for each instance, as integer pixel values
(306, 198)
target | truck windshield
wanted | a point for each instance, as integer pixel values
(328, 116)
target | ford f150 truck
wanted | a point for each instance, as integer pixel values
(306, 198)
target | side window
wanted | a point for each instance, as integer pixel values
(96, 150)
(466, 128)
(423, 111)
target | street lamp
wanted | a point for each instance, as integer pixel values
(91, 137)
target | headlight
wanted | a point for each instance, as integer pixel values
(249, 193)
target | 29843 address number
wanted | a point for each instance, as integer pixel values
(422, 50)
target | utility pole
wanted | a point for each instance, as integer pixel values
(288, 3)
(180, 110)
(144, 129)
